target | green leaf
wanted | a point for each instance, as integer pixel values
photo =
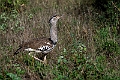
(13, 76)
(1, 77)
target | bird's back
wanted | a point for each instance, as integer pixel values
(43, 45)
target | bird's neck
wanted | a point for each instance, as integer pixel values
(53, 33)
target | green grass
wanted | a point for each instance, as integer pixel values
(88, 41)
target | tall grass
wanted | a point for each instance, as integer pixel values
(87, 46)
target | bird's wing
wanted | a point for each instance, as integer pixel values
(38, 45)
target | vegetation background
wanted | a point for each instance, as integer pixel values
(88, 39)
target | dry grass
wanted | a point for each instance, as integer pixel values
(76, 24)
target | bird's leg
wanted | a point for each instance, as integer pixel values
(45, 61)
(38, 58)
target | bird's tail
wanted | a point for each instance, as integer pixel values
(17, 51)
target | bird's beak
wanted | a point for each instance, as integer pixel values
(61, 16)
(58, 17)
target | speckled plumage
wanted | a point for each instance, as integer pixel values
(43, 45)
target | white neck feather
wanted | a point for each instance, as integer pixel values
(53, 33)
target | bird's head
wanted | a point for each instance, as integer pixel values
(54, 19)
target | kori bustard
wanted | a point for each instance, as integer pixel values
(42, 45)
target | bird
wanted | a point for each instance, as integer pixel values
(42, 45)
